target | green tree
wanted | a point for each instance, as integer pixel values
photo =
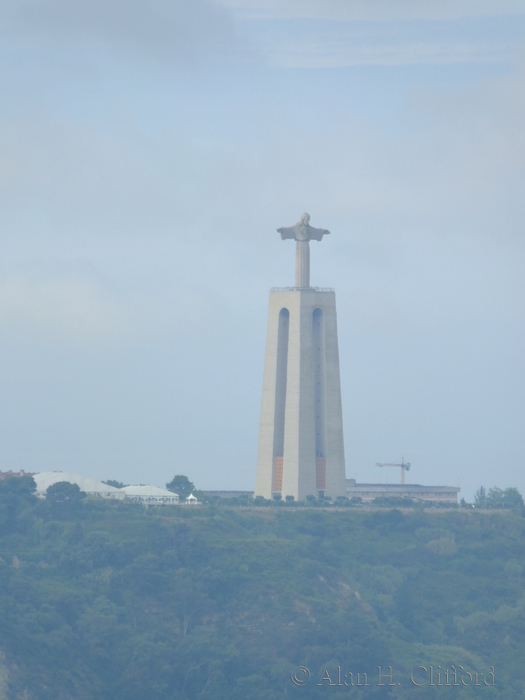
(512, 498)
(115, 484)
(508, 498)
(480, 497)
(16, 494)
(182, 485)
(64, 499)
(495, 498)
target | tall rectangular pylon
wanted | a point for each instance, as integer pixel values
(301, 449)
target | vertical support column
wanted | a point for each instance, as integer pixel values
(280, 399)
(299, 438)
(319, 343)
(302, 264)
(272, 427)
(333, 426)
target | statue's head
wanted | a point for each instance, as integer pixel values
(304, 220)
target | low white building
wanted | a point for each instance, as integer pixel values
(152, 495)
(92, 487)
(368, 492)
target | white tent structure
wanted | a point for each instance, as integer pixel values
(152, 495)
(90, 486)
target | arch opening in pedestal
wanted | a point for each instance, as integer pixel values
(318, 340)
(280, 399)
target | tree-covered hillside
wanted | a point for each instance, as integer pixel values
(111, 601)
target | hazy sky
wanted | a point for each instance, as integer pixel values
(148, 151)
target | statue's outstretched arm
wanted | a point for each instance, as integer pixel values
(316, 234)
(287, 232)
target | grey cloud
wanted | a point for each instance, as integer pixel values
(335, 34)
(341, 53)
(379, 10)
(187, 29)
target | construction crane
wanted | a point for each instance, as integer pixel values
(405, 467)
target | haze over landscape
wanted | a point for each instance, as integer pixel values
(148, 152)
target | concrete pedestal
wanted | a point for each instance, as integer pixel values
(301, 450)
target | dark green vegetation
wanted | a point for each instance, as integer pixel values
(109, 601)
(498, 498)
(181, 485)
(114, 483)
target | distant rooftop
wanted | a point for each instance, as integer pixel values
(229, 494)
(7, 475)
(44, 480)
(401, 487)
(147, 490)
